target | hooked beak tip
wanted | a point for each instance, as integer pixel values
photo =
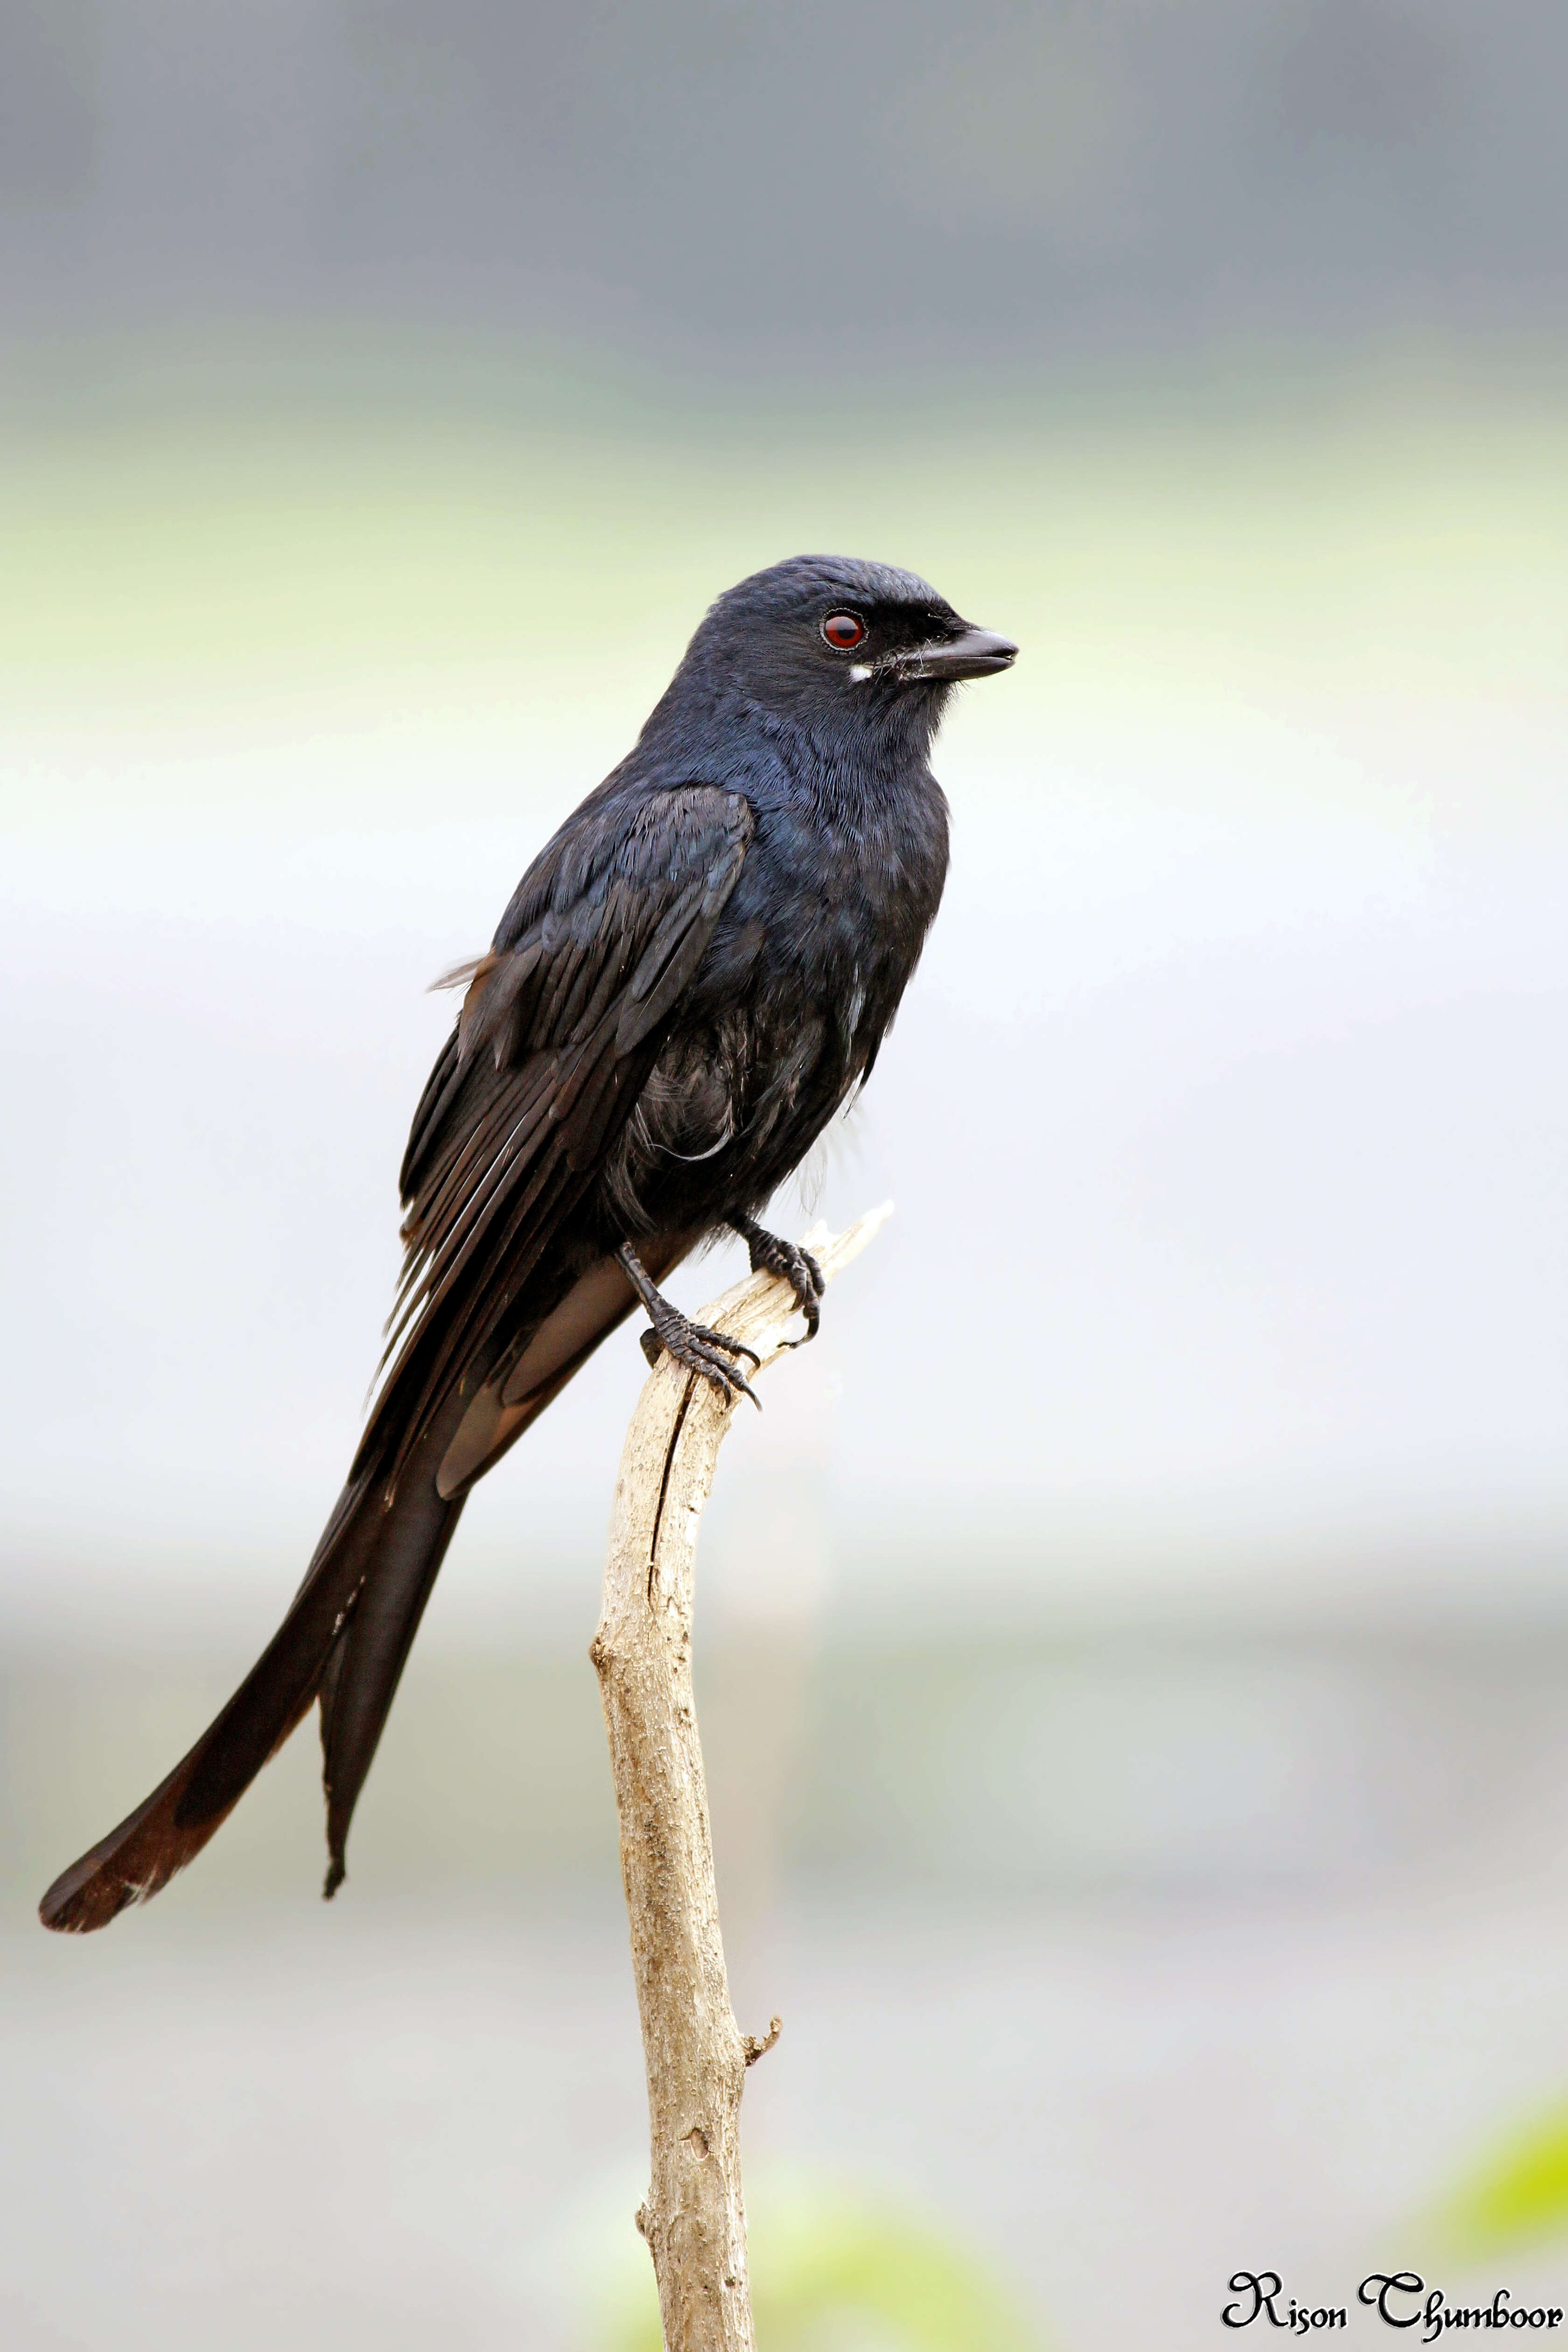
(977, 653)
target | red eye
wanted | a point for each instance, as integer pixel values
(844, 631)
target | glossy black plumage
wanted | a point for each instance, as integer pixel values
(690, 979)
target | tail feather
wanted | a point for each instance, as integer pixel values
(372, 1523)
(368, 1658)
(348, 1633)
(170, 1828)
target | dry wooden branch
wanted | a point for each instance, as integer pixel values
(694, 2219)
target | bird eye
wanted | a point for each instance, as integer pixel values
(844, 631)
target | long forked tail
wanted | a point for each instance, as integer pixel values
(348, 1633)
(345, 1640)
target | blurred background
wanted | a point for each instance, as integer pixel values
(1133, 1642)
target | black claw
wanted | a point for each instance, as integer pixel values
(722, 1339)
(708, 1353)
(770, 1254)
(810, 1304)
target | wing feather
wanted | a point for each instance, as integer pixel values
(558, 1032)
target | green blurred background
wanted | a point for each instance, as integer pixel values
(1132, 1642)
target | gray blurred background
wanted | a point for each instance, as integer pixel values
(1134, 1640)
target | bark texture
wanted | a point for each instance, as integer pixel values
(694, 2219)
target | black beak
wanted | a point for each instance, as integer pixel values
(978, 653)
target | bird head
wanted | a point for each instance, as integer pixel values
(828, 642)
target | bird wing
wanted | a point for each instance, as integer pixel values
(559, 1030)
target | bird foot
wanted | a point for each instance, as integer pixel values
(711, 1354)
(793, 1264)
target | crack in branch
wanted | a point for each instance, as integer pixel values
(664, 1482)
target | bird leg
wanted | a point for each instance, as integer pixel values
(691, 1344)
(796, 1266)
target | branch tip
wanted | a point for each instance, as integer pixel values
(753, 2046)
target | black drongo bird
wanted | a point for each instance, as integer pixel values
(691, 978)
